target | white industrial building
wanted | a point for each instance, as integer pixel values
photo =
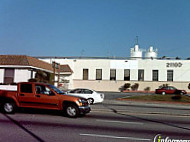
(109, 74)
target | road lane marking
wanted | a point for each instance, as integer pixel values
(123, 122)
(115, 137)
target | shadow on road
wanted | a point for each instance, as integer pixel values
(23, 128)
(40, 111)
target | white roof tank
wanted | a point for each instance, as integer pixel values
(136, 52)
(151, 53)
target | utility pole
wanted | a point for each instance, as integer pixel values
(56, 67)
(59, 68)
(53, 65)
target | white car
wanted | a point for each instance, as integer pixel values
(91, 95)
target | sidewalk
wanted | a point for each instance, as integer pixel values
(140, 107)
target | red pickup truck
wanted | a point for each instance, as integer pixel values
(42, 96)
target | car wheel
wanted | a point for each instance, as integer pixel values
(163, 93)
(91, 101)
(72, 110)
(9, 107)
(181, 93)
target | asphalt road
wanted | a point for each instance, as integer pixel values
(111, 121)
(114, 95)
(95, 127)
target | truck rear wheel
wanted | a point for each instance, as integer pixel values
(9, 107)
(72, 110)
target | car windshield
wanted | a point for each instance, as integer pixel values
(56, 89)
(172, 88)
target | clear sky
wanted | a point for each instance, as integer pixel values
(94, 27)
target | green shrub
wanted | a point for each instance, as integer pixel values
(135, 87)
(147, 89)
(126, 86)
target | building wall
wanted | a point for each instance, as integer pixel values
(180, 73)
(1, 75)
(92, 65)
(181, 69)
(115, 85)
(22, 75)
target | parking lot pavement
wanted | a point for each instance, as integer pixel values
(115, 95)
(142, 107)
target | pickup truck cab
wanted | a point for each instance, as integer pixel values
(42, 96)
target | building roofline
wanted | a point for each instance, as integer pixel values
(111, 58)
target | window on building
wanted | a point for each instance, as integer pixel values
(85, 74)
(140, 75)
(169, 75)
(127, 74)
(98, 74)
(9, 76)
(112, 74)
(155, 75)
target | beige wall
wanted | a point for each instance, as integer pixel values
(115, 85)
